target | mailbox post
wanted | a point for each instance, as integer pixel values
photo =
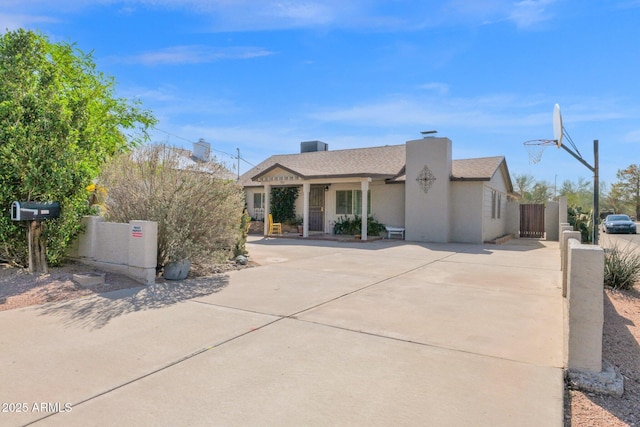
(35, 213)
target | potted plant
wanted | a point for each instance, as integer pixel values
(178, 266)
(178, 252)
(299, 221)
(176, 270)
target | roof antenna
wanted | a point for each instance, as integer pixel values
(427, 133)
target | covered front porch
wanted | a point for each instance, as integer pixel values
(315, 195)
(257, 229)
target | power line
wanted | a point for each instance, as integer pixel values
(188, 140)
(238, 157)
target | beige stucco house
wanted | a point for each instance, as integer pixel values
(415, 186)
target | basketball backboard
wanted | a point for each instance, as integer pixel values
(557, 126)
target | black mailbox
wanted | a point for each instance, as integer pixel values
(33, 211)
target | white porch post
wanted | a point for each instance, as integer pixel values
(267, 207)
(306, 188)
(364, 186)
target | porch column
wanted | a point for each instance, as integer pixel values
(364, 186)
(306, 188)
(267, 207)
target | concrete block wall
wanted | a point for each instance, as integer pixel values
(109, 247)
(566, 235)
(563, 209)
(513, 218)
(129, 249)
(551, 221)
(584, 306)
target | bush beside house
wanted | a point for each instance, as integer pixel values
(199, 210)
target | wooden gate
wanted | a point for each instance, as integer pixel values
(532, 221)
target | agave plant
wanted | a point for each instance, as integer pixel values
(621, 267)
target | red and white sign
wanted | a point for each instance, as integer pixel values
(136, 231)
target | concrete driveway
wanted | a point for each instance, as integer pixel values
(322, 333)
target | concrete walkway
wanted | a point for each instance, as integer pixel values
(322, 333)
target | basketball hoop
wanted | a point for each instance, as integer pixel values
(536, 147)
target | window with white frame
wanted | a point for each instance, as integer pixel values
(258, 200)
(349, 202)
(493, 204)
(258, 206)
(496, 204)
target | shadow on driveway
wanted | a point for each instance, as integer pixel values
(96, 311)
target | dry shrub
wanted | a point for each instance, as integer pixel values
(197, 207)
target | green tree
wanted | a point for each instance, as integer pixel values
(523, 183)
(283, 203)
(530, 190)
(628, 188)
(59, 122)
(614, 201)
(579, 193)
(540, 193)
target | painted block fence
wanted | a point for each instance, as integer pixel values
(129, 249)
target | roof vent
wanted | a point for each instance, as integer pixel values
(311, 146)
(201, 150)
(428, 133)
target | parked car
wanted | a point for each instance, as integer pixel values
(618, 224)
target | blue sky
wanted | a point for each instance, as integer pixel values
(263, 75)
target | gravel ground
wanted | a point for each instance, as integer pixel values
(621, 347)
(621, 337)
(19, 288)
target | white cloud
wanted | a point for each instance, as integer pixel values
(223, 15)
(251, 15)
(629, 4)
(491, 112)
(436, 87)
(12, 22)
(528, 13)
(282, 14)
(632, 137)
(303, 12)
(195, 54)
(161, 94)
(525, 13)
(502, 115)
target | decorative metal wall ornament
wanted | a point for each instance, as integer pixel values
(425, 179)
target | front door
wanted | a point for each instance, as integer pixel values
(316, 208)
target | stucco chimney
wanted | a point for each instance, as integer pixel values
(427, 189)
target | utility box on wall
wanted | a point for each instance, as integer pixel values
(34, 211)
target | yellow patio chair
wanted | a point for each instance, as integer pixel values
(274, 227)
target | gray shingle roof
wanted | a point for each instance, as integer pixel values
(479, 169)
(386, 162)
(375, 162)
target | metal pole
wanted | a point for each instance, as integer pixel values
(596, 192)
(580, 159)
(238, 163)
(596, 186)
